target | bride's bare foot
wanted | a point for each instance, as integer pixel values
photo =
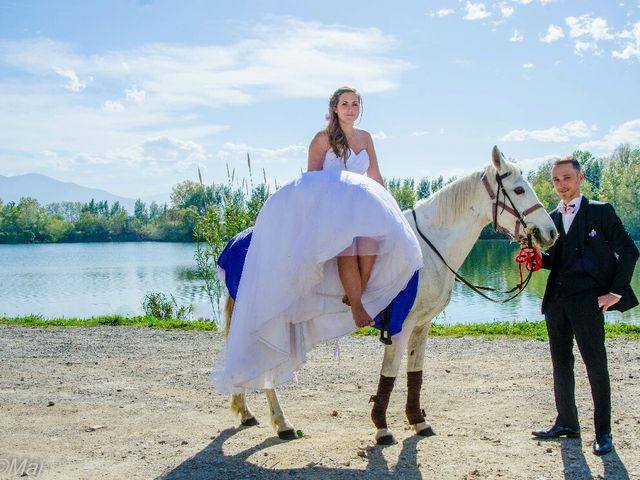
(346, 300)
(361, 317)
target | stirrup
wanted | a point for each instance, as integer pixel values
(385, 320)
(385, 337)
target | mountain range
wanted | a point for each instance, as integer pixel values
(49, 190)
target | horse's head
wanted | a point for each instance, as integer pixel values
(514, 206)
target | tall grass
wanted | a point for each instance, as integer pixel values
(228, 210)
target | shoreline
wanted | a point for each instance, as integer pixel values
(531, 330)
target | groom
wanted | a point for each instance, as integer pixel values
(591, 268)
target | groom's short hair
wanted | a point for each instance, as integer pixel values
(568, 159)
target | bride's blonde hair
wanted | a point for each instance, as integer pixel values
(337, 138)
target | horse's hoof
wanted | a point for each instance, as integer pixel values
(426, 432)
(386, 440)
(287, 435)
(250, 422)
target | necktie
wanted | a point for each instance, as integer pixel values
(567, 209)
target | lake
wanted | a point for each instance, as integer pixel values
(86, 279)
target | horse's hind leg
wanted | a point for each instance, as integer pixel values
(281, 425)
(239, 407)
(415, 362)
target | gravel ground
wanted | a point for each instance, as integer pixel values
(124, 403)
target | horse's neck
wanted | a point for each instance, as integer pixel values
(456, 239)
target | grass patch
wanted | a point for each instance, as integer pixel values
(110, 320)
(533, 330)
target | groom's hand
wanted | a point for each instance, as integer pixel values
(608, 300)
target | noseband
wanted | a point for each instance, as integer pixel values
(497, 203)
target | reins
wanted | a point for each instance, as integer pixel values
(531, 261)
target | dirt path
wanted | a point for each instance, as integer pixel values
(127, 403)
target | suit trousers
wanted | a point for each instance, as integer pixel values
(579, 315)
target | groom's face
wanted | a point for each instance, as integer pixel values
(566, 181)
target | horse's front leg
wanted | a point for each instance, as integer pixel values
(415, 362)
(388, 374)
(239, 407)
(281, 425)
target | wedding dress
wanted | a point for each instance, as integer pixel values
(289, 297)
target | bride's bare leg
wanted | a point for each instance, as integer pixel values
(352, 283)
(365, 265)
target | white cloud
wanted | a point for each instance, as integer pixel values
(516, 37)
(443, 12)
(167, 152)
(75, 84)
(420, 133)
(476, 11)
(286, 58)
(532, 164)
(506, 11)
(596, 28)
(632, 48)
(528, 66)
(628, 132)
(573, 129)
(380, 136)
(523, 2)
(580, 48)
(554, 33)
(135, 95)
(113, 106)
(260, 155)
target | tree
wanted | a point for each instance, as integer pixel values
(140, 210)
(621, 186)
(424, 188)
(403, 191)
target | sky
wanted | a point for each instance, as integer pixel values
(134, 96)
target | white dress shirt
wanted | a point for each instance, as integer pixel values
(567, 218)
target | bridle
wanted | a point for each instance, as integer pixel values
(497, 203)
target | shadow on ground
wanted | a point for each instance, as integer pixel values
(576, 466)
(212, 463)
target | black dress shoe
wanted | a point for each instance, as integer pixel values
(556, 431)
(603, 444)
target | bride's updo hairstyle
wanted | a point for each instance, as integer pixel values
(337, 138)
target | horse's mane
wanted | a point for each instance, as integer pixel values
(454, 199)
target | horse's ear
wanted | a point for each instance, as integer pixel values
(497, 158)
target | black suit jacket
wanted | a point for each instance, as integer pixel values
(596, 253)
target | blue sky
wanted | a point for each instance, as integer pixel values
(134, 96)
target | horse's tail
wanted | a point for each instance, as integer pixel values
(228, 310)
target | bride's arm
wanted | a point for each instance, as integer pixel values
(317, 150)
(374, 171)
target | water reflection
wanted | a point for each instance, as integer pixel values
(492, 263)
(81, 280)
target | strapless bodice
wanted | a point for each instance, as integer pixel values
(356, 162)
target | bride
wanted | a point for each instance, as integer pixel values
(329, 251)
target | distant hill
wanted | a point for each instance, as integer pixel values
(48, 190)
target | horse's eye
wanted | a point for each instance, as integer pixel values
(519, 190)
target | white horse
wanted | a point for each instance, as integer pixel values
(452, 219)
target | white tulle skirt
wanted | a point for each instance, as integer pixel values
(290, 295)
